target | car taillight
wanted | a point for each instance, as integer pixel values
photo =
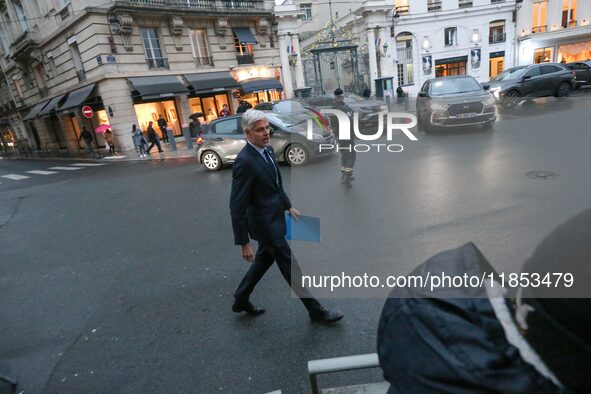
(199, 140)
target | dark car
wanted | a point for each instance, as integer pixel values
(582, 72)
(225, 139)
(368, 109)
(537, 80)
(454, 101)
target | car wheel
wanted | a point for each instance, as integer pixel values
(511, 99)
(563, 90)
(296, 155)
(425, 125)
(211, 161)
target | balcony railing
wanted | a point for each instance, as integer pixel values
(240, 4)
(204, 61)
(496, 38)
(539, 29)
(245, 59)
(434, 6)
(211, 4)
(402, 10)
(158, 62)
(465, 3)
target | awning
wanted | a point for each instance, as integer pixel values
(260, 85)
(212, 82)
(51, 106)
(244, 35)
(158, 87)
(77, 97)
(35, 110)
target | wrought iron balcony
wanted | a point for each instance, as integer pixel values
(402, 10)
(539, 29)
(218, 5)
(569, 24)
(465, 3)
(245, 59)
(240, 4)
(204, 61)
(159, 62)
(497, 38)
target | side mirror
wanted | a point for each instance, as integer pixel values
(485, 87)
(422, 94)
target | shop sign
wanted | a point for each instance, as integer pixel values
(218, 89)
(99, 60)
(166, 94)
(111, 59)
(87, 112)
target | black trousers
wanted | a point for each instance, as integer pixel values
(152, 143)
(348, 158)
(268, 253)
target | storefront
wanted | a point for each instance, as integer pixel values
(209, 92)
(496, 63)
(155, 96)
(574, 52)
(559, 46)
(258, 84)
(451, 66)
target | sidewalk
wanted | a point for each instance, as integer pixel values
(128, 155)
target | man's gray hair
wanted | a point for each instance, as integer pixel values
(252, 116)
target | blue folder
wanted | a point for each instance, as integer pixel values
(306, 228)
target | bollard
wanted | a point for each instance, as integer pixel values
(188, 137)
(172, 142)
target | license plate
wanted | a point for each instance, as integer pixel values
(468, 115)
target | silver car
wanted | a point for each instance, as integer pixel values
(225, 139)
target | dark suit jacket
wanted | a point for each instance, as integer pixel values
(258, 201)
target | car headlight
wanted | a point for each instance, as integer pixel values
(495, 91)
(435, 106)
(488, 101)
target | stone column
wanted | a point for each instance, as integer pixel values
(285, 71)
(116, 94)
(373, 62)
(299, 68)
(184, 113)
(386, 60)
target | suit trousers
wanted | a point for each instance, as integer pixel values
(267, 253)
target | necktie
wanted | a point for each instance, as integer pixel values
(270, 162)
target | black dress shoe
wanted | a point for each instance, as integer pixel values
(322, 315)
(248, 308)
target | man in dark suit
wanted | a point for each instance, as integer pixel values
(257, 205)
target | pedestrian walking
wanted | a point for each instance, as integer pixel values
(195, 128)
(162, 125)
(153, 138)
(346, 146)
(87, 137)
(110, 142)
(225, 111)
(257, 205)
(139, 141)
(366, 91)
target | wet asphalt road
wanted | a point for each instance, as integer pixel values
(119, 278)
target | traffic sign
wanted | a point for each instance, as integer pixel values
(87, 112)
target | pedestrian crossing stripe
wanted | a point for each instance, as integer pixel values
(15, 177)
(90, 164)
(40, 172)
(66, 168)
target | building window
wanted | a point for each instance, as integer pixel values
(39, 74)
(496, 33)
(451, 36)
(20, 15)
(200, 47)
(154, 56)
(404, 68)
(18, 86)
(402, 7)
(307, 8)
(244, 52)
(465, 3)
(496, 63)
(543, 55)
(496, 1)
(433, 5)
(4, 41)
(540, 15)
(569, 13)
(449, 69)
(78, 65)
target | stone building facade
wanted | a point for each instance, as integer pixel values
(130, 61)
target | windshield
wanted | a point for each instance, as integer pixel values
(512, 73)
(288, 107)
(455, 85)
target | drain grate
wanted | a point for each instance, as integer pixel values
(541, 174)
